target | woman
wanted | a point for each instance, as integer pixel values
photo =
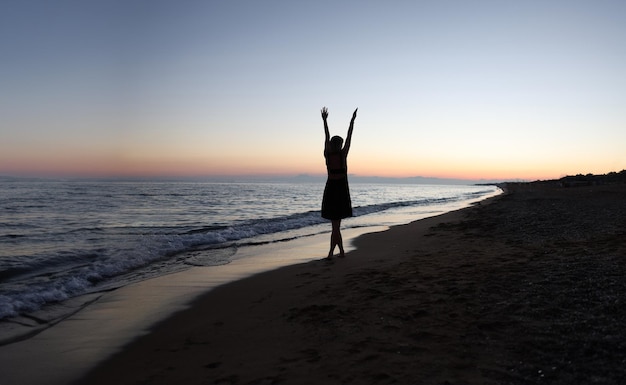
(336, 203)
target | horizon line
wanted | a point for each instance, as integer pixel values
(259, 177)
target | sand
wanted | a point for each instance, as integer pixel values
(528, 287)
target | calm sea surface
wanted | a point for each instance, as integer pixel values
(61, 239)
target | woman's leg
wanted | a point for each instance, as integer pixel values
(333, 242)
(336, 239)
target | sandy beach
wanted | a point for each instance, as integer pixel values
(528, 287)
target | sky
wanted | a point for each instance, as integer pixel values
(452, 89)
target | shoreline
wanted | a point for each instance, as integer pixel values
(67, 348)
(121, 315)
(527, 288)
(43, 316)
(26, 326)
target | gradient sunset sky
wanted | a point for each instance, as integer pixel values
(465, 89)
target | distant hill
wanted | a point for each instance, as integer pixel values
(591, 179)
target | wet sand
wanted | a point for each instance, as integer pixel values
(529, 287)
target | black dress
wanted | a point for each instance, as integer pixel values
(336, 203)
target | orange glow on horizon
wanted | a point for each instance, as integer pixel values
(187, 168)
(284, 163)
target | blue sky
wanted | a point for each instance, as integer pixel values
(476, 89)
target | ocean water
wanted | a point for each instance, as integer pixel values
(62, 239)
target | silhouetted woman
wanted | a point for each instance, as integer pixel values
(336, 204)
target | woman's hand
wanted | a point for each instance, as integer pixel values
(324, 113)
(354, 114)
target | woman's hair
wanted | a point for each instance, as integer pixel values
(335, 143)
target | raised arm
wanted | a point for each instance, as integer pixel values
(326, 132)
(346, 146)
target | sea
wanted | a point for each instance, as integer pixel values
(60, 239)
